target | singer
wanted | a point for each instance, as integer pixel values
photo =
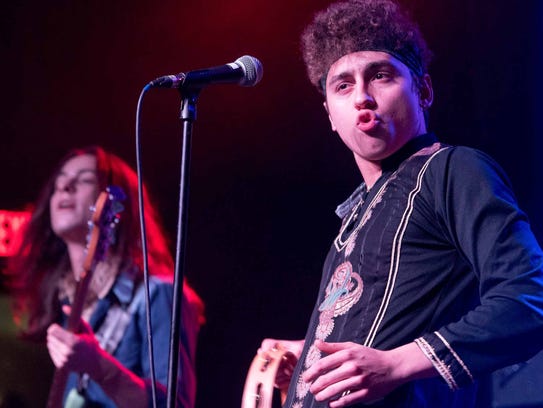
(108, 356)
(434, 277)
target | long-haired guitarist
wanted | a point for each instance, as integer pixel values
(108, 354)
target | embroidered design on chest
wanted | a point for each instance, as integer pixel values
(343, 291)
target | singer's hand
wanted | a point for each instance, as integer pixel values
(350, 372)
(286, 368)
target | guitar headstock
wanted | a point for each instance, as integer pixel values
(105, 218)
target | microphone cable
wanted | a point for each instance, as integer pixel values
(139, 171)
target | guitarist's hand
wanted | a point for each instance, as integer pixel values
(284, 373)
(78, 352)
(81, 352)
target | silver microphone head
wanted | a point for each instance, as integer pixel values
(252, 69)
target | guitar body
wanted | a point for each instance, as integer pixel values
(259, 384)
(104, 220)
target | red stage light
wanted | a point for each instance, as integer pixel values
(11, 227)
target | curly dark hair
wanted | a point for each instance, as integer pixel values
(362, 25)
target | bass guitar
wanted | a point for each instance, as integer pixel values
(105, 217)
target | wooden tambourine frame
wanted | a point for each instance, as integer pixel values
(260, 381)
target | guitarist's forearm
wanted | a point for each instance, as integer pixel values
(124, 387)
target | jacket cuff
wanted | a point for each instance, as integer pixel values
(446, 361)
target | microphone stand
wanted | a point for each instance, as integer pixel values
(188, 116)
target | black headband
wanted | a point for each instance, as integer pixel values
(407, 56)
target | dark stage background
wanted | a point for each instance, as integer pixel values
(267, 172)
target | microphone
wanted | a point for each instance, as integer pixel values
(245, 71)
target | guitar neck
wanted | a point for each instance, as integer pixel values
(76, 309)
